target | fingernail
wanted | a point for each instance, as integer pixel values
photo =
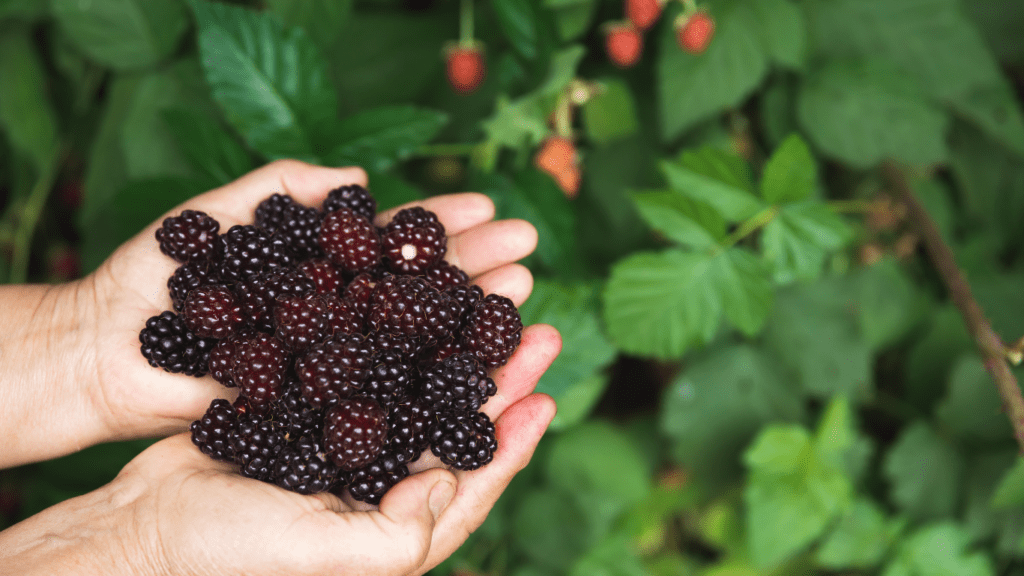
(440, 495)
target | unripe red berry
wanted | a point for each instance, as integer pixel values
(623, 44)
(695, 32)
(557, 157)
(643, 13)
(465, 67)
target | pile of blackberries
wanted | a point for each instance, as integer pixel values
(354, 348)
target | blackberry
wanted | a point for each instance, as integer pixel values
(303, 467)
(359, 290)
(259, 370)
(459, 382)
(407, 345)
(354, 197)
(444, 275)
(409, 305)
(222, 357)
(299, 228)
(256, 443)
(467, 297)
(327, 279)
(334, 369)
(258, 295)
(301, 321)
(211, 433)
(463, 439)
(188, 277)
(167, 343)
(389, 376)
(343, 316)
(247, 250)
(212, 311)
(413, 241)
(294, 415)
(349, 240)
(441, 351)
(355, 432)
(409, 424)
(493, 330)
(371, 483)
(192, 235)
(270, 212)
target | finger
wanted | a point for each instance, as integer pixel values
(457, 212)
(518, 432)
(513, 281)
(490, 245)
(517, 379)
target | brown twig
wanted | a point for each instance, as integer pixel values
(992, 349)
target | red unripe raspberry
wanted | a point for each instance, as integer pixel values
(623, 44)
(695, 32)
(643, 13)
(465, 67)
(557, 157)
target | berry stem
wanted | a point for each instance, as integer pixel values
(563, 116)
(993, 351)
(466, 24)
(689, 7)
(29, 217)
(748, 227)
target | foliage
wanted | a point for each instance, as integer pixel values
(761, 373)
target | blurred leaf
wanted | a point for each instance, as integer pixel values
(680, 219)
(26, 114)
(271, 82)
(518, 20)
(860, 538)
(574, 379)
(321, 19)
(783, 31)
(812, 329)
(777, 109)
(717, 164)
(790, 174)
(24, 9)
(613, 556)
(376, 138)
(863, 113)
(515, 123)
(562, 69)
(149, 147)
(797, 240)
(390, 190)
(141, 202)
(208, 146)
(936, 197)
(1011, 489)
(672, 564)
(937, 550)
(659, 304)
(990, 181)
(924, 472)
(611, 114)
(692, 87)
(733, 203)
(123, 34)
(550, 529)
(995, 110)
(572, 17)
(744, 288)
(972, 408)
(716, 406)
(889, 305)
(983, 518)
(1000, 23)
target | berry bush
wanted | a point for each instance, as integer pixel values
(782, 240)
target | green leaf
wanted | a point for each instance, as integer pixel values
(208, 146)
(613, 556)
(123, 34)
(550, 529)
(938, 550)
(734, 204)
(1000, 23)
(376, 138)
(572, 17)
(783, 31)
(659, 304)
(889, 304)
(26, 115)
(990, 180)
(574, 379)
(272, 83)
(790, 174)
(994, 110)
(692, 87)
(714, 408)
(812, 329)
(518, 20)
(323, 20)
(391, 190)
(1011, 489)
(972, 408)
(745, 290)
(796, 242)
(924, 472)
(679, 218)
(515, 123)
(860, 539)
(611, 114)
(27, 10)
(982, 517)
(718, 164)
(863, 113)
(149, 148)
(140, 202)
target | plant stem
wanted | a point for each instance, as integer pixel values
(992, 349)
(748, 227)
(466, 23)
(29, 217)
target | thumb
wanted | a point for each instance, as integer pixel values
(412, 507)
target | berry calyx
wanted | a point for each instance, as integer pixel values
(694, 32)
(623, 44)
(465, 67)
(643, 13)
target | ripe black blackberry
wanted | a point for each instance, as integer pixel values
(370, 483)
(349, 240)
(413, 241)
(467, 297)
(188, 277)
(304, 467)
(334, 370)
(440, 352)
(259, 370)
(294, 415)
(355, 432)
(354, 197)
(212, 311)
(409, 423)
(493, 330)
(222, 357)
(443, 275)
(390, 375)
(359, 291)
(301, 321)
(460, 382)
(167, 343)
(247, 251)
(256, 443)
(211, 433)
(300, 227)
(192, 235)
(258, 295)
(409, 305)
(270, 212)
(407, 345)
(343, 316)
(327, 279)
(463, 439)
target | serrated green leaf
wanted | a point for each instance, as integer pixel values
(924, 472)
(676, 217)
(1011, 488)
(797, 240)
(938, 550)
(734, 204)
(972, 408)
(744, 288)
(375, 139)
(123, 34)
(889, 304)
(660, 304)
(693, 87)
(714, 408)
(272, 83)
(26, 115)
(323, 20)
(611, 114)
(783, 31)
(863, 113)
(860, 538)
(718, 164)
(208, 146)
(790, 174)
(515, 123)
